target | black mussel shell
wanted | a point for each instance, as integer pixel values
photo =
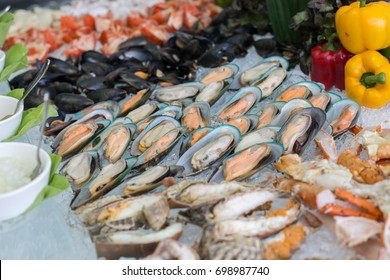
(93, 56)
(72, 103)
(99, 95)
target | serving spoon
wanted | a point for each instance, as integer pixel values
(37, 169)
(30, 87)
(6, 9)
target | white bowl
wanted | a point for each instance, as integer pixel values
(15, 202)
(9, 126)
(2, 60)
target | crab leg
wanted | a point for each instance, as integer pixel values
(337, 210)
(359, 202)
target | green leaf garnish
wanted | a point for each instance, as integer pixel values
(16, 93)
(15, 59)
(5, 23)
(32, 117)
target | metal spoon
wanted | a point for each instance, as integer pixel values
(6, 9)
(37, 170)
(30, 87)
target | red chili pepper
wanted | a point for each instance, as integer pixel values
(327, 64)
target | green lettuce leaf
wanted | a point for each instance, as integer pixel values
(5, 23)
(16, 93)
(57, 183)
(15, 59)
(32, 117)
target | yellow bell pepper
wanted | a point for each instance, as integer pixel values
(366, 79)
(362, 27)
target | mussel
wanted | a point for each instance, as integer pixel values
(178, 92)
(195, 116)
(220, 74)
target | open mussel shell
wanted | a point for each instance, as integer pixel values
(258, 136)
(268, 112)
(172, 111)
(195, 116)
(343, 115)
(178, 92)
(213, 91)
(134, 243)
(288, 109)
(76, 136)
(258, 71)
(300, 129)
(143, 112)
(245, 123)
(221, 73)
(159, 149)
(99, 140)
(81, 168)
(324, 100)
(146, 181)
(111, 106)
(302, 90)
(248, 161)
(152, 133)
(192, 138)
(271, 80)
(210, 150)
(240, 103)
(109, 177)
(134, 101)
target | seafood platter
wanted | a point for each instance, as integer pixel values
(183, 137)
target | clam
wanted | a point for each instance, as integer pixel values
(146, 181)
(134, 243)
(142, 112)
(343, 115)
(245, 123)
(152, 133)
(109, 177)
(256, 72)
(258, 136)
(77, 136)
(240, 103)
(268, 113)
(80, 168)
(289, 109)
(161, 147)
(213, 91)
(220, 74)
(300, 129)
(134, 101)
(210, 150)
(271, 81)
(248, 161)
(178, 92)
(195, 116)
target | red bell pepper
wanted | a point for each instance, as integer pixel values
(327, 64)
